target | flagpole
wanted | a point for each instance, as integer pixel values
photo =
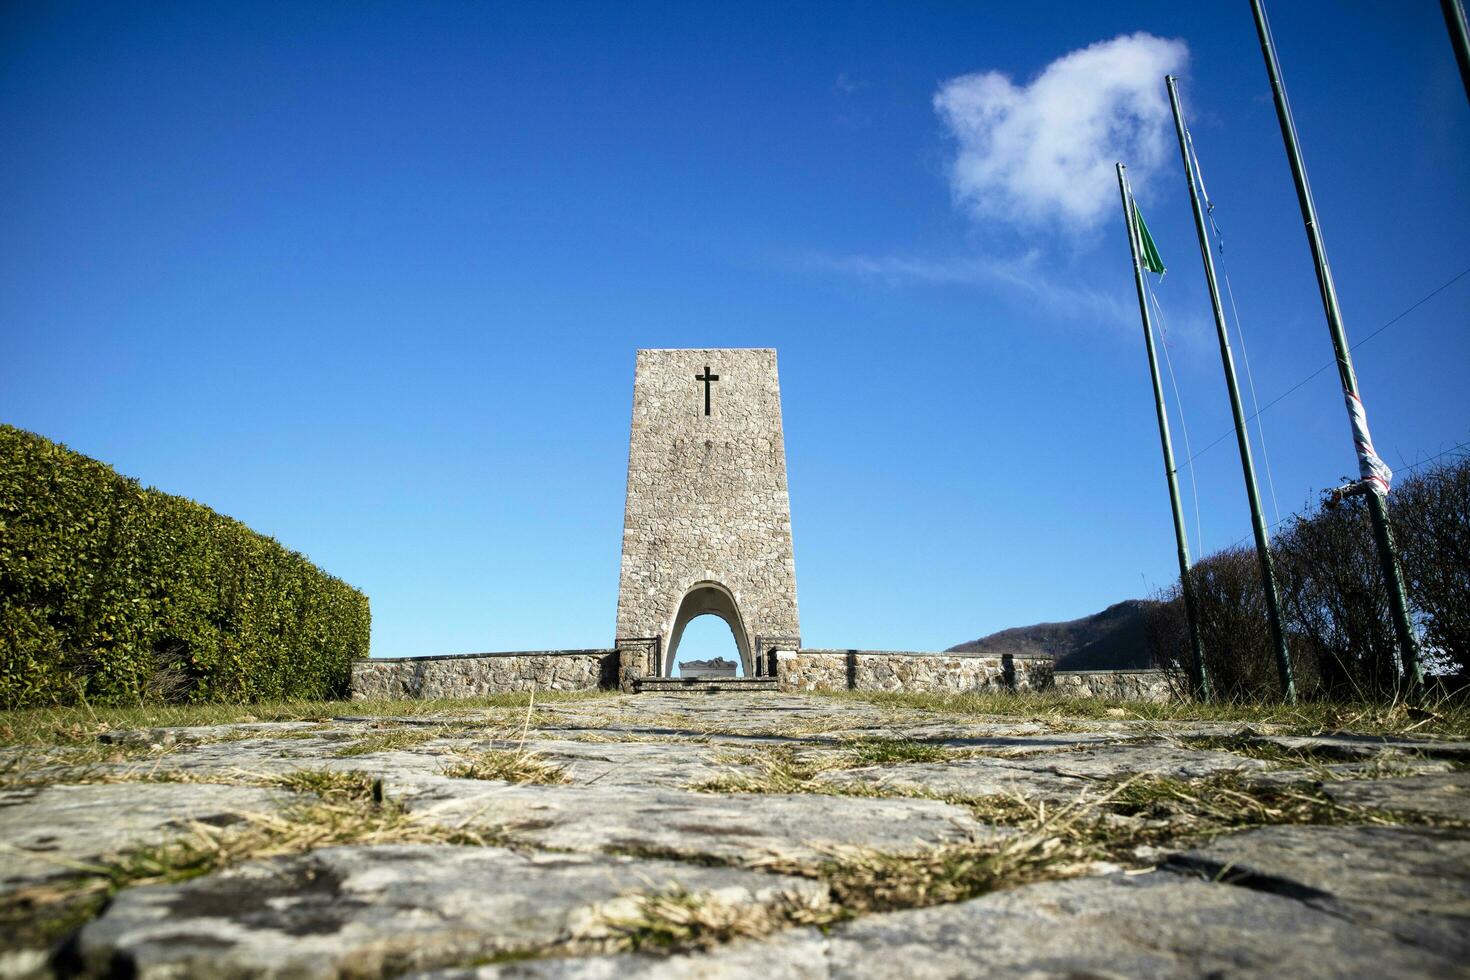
(1454, 20)
(1200, 680)
(1377, 508)
(1242, 437)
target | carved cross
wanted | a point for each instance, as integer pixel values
(707, 378)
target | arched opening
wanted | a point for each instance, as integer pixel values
(707, 648)
(708, 599)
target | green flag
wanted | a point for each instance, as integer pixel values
(1151, 260)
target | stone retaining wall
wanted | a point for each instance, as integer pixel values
(1118, 685)
(468, 675)
(891, 670)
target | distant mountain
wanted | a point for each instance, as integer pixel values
(1114, 639)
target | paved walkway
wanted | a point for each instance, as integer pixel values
(739, 835)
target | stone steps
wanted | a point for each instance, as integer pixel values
(703, 685)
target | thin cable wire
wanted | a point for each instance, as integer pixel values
(1199, 172)
(1245, 355)
(1199, 534)
(1269, 527)
(1403, 469)
(1333, 363)
(1429, 459)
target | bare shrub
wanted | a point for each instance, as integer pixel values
(1231, 603)
(1335, 603)
(1240, 658)
(1431, 513)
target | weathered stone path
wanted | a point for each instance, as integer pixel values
(762, 835)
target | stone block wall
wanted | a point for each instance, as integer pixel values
(637, 657)
(469, 675)
(1119, 685)
(890, 670)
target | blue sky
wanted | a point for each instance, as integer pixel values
(370, 277)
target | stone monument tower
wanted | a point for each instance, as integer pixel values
(707, 526)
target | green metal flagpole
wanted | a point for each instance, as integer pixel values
(1242, 437)
(1377, 508)
(1454, 20)
(1186, 584)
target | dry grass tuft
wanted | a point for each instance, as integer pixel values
(518, 765)
(1231, 801)
(1073, 839)
(784, 769)
(350, 810)
(510, 765)
(864, 881)
(675, 921)
(778, 769)
(330, 785)
(1067, 842)
(51, 726)
(1114, 826)
(1062, 844)
(873, 751)
(391, 740)
(1445, 717)
(615, 735)
(33, 765)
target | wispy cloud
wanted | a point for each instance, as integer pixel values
(899, 270)
(1024, 277)
(1043, 152)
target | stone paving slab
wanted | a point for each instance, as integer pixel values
(1141, 758)
(968, 777)
(1413, 884)
(1444, 795)
(1296, 900)
(1051, 775)
(1366, 770)
(364, 911)
(1152, 925)
(46, 831)
(1361, 746)
(749, 829)
(633, 763)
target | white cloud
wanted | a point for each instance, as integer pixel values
(1044, 152)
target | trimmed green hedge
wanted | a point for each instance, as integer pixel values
(112, 593)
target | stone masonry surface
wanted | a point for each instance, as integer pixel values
(469, 675)
(1118, 685)
(887, 670)
(732, 811)
(707, 499)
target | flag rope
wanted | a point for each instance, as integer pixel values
(1235, 315)
(1199, 534)
(1245, 355)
